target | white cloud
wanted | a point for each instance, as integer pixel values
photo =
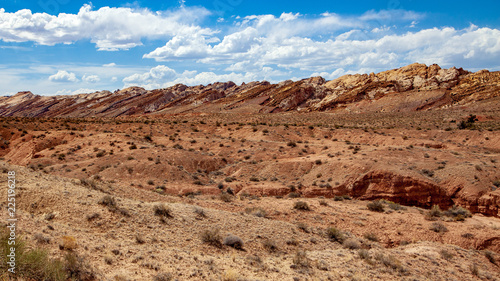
(63, 76)
(75, 92)
(292, 41)
(109, 64)
(162, 76)
(109, 28)
(91, 78)
(391, 15)
(154, 78)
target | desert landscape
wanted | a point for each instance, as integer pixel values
(387, 176)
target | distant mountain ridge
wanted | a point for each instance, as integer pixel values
(410, 88)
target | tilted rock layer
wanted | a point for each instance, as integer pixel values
(410, 88)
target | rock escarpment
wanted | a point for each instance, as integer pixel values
(410, 88)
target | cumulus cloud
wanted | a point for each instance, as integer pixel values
(109, 28)
(162, 76)
(91, 78)
(75, 92)
(154, 78)
(292, 41)
(63, 77)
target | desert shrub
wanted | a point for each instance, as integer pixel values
(49, 216)
(351, 243)
(469, 123)
(68, 243)
(212, 237)
(364, 254)
(39, 238)
(89, 183)
(338, 198)
(294, 195)
(233, 241)
(435, 212)
(438, 227)
(375, 206)
(428, 172)
(200, 212)
(302, 226)
(300, 260)
(254, 179)
(270, 245)
(468, 235)
(77, 268)
(490, 256)
(230, 275)
(371, 236)
(335, 234)
(446, 255)
(109, 202)
(291, 144)
(162, 210)
(35, 263)
(139, 239)
(474, 269)
(163, 277)
(458, 213)
(390, 261)
(226, 197)
(323, 203)
(254, 260)
(301, 205)
(256, 211)
(395, 206)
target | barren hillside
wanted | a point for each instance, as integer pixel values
(388, 176)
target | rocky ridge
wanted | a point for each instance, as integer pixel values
(411, 88)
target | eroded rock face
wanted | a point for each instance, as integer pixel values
(312, 94)
(402, 189)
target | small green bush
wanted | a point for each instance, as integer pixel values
(335, 235)
(301, 205)
(438, 227)
(351, 243)
(162, 210)
(458, 213)
(435, 212)
(300, 260)
(226, 197)
(109, 202)
(376, 206)
(212, 237)
(233, 241)
(256, 211)
(270, 245)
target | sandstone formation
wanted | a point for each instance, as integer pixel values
(411, 88)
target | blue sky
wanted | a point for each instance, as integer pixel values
(65, 46)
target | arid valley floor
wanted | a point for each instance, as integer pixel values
(249, 195)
